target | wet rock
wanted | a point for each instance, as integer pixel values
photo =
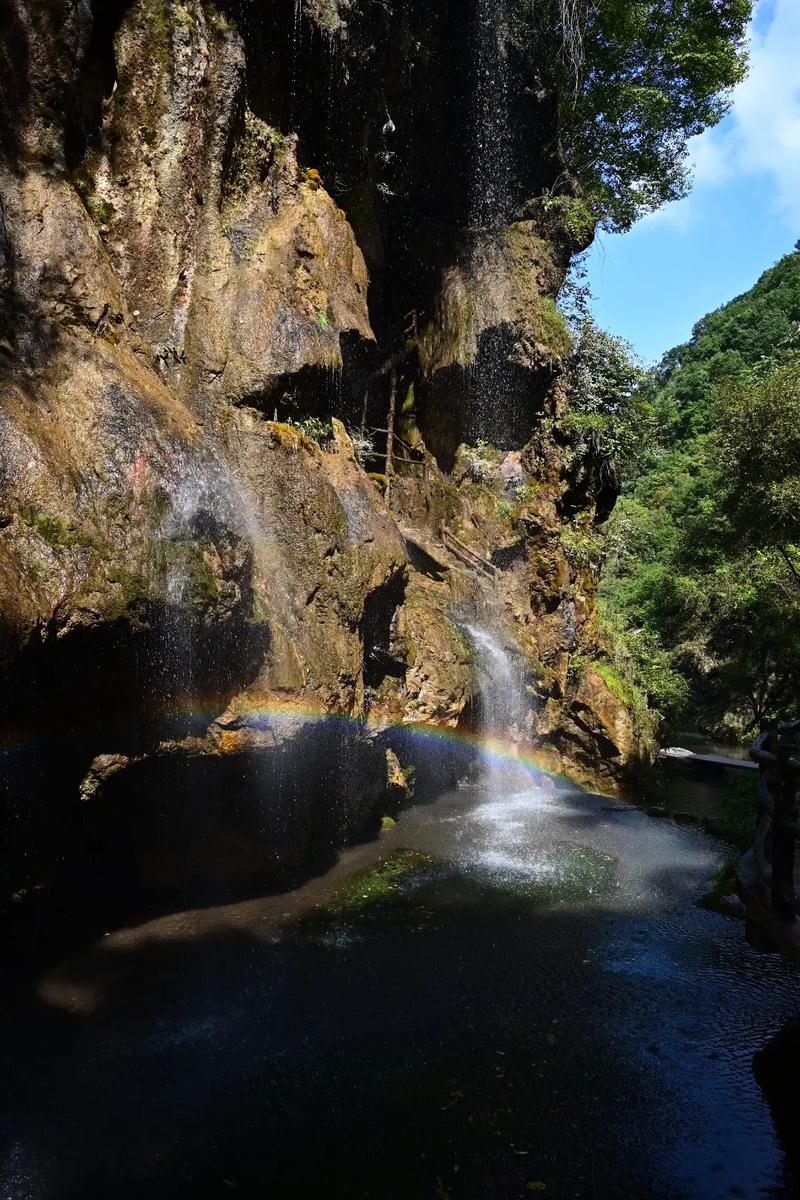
(252, 807)
(242, 268)
(504, 283)
(590, 735)
(732, 906)
(177, 566)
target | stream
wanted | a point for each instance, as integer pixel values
(538, 1005)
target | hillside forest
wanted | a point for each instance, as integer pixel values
(700, 584)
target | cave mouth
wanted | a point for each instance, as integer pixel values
(401, 161)
(315, 393)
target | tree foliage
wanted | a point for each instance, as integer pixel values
(609, 412)
(635, 80)
(704, 547)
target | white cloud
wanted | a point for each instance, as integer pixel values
(766, 117)
(761, 136)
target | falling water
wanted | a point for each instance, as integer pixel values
(201, 501)
(491, 125)
(297, 41)
(489, 393)
(499, 683)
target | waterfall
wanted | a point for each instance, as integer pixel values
(489, 402)
(501, 696)
(499, 683)
(491, 125)
(295, 50)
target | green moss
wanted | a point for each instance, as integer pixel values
(51, 529)
(131, 593)
(157, 22)
(461, 640)
(629, 694)
(157, 501)
(724, 884)
(326, 16)
(201, 585)
(455, 338)
(380, 882)
(409, 402)
(216, 20)
(100, 210)
(285, 435)
(551, 328)
(451, 504)
(158, 25)
(527, 491)
(182, 14)
(254, 152)
(410, 776)
(387, 824)
(582, 547)
(624, 691)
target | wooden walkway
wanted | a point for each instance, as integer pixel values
(678, 754)
(768, 876)
(450, 547)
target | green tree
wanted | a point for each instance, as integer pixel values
(704, 547)
(758, 437)
(635, 79)
(609, 413)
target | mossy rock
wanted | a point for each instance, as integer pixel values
(52, 530)
(201, 587)
(380, 882)
(254, 153)
(551, 328)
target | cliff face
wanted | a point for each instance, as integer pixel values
(225, 228)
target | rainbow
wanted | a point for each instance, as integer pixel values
(267, 713)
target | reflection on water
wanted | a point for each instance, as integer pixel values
(540, 1006)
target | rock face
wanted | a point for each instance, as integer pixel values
(193, 559)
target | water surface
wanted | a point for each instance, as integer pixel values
(540, 1007)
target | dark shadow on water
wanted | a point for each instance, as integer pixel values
(448, 1043)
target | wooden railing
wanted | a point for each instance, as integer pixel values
(469, 557)
(777, 753)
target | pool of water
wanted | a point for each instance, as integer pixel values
(540, 1006)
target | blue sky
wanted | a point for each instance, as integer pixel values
(650, 285)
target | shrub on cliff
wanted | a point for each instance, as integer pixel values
(609, 413)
